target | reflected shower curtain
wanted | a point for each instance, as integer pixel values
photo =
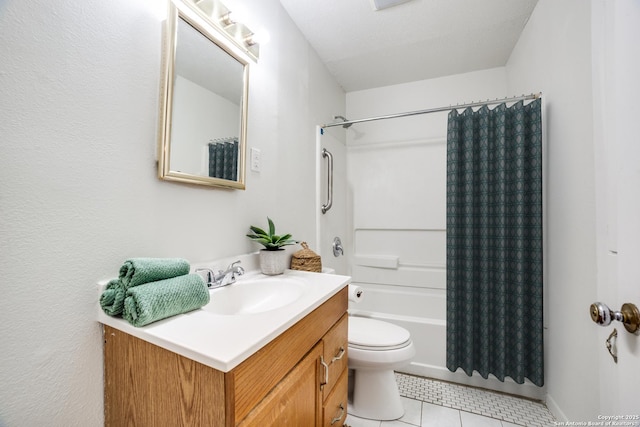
(494, 242)
(223, 158)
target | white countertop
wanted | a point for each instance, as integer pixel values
(224, 341)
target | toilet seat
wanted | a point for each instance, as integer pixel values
(376, 335)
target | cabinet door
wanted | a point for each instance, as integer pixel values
(250, 382)
(335, 407)
(293, 402)
(335, 353)
(149, 386)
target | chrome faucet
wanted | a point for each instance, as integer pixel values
(222, 278)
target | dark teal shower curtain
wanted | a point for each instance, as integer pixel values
(223, 158)
(494, 242)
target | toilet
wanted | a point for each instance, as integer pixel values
(376, 348)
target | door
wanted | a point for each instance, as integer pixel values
(616, 30)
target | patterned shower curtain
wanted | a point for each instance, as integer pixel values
(494, 242)
(223, 158)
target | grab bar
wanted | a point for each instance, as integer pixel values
(329, 156)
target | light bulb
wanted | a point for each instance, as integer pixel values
(239, 14)
(261, 36)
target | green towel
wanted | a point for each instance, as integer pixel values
(138, 271)
(112, 299)
(150, 302)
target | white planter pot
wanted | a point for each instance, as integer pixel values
(273, 262)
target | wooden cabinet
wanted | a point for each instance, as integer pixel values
(334, 410)
(334, 383)
(294, 401)
(298, 379)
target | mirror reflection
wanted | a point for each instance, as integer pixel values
(205, 108)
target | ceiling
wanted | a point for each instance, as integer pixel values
(416, 40)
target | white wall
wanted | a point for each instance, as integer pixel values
(397, 176)
(553, 55)
(79, 193)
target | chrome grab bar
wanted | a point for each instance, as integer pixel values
(329, 156)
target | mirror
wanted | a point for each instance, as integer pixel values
(204, 105)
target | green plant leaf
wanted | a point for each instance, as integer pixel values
(272, 227)
(282, 238)
(270, 240)
(258, 230)
(261, 240)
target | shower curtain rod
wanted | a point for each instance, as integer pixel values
(436, 110)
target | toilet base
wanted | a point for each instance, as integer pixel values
(376, 395)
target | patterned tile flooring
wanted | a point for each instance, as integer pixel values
(430, 402)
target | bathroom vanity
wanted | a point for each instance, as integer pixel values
(285, 366)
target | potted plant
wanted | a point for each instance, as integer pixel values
(273, 257)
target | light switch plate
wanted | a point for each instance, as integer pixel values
(255, 160)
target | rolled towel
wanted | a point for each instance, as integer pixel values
(158, 300)
(112, 299)
(138, 271)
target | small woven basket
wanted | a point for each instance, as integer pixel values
(306, 260)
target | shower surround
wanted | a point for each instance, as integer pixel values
(397, 177)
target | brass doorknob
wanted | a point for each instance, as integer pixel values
(628, 315)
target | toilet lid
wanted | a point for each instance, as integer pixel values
(376, 335)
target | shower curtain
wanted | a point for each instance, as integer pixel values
(223, 158)
(494, 242)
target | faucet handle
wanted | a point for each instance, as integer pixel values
(210, 277)
(233, 264)
(236, 269)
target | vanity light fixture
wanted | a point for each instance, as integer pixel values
(226, 20)
(250, 40)
(229, 23)
(233, 17)
(259, 37)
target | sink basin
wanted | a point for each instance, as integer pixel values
(251, 296)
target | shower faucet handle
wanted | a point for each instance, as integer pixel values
(337, 247)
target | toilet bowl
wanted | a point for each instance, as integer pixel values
(376, 348)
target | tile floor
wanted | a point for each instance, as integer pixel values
(431, 403)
